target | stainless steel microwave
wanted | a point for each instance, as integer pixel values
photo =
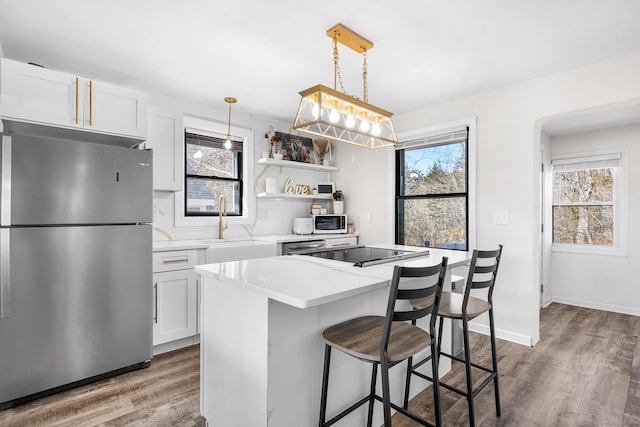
(329, 223)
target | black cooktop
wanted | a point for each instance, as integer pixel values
(363, 256)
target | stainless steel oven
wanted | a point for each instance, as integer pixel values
(292, 248)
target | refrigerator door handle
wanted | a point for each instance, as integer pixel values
(5, 182)
(5, 276)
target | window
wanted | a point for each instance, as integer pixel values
(211, 171)
(432, 192)
(218, 170)
(587, 208)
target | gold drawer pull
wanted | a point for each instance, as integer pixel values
(77, 82)
(90, 102)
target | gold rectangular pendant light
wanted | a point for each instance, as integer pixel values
(336, 115)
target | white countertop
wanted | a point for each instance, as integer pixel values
(177, 245)
(303, 281)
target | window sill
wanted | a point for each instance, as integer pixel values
(588, 249)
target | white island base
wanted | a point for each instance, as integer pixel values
(261, 359)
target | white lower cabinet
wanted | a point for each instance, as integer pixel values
(175, 296)
(175, 305)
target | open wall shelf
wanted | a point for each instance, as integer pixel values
(297, 165)
(293, 196)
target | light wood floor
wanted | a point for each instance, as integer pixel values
(585, 371)
(165, 394)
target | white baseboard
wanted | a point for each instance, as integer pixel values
(502, 334)
(634, 311)
(526, 339)
(175, 345)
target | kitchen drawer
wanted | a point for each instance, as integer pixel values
(341, 242)
(174, 260)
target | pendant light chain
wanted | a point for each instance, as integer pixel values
(365, 87)
(337, 77)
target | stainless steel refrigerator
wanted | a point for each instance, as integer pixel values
(75, 264)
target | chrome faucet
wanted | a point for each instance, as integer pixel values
(222, 211)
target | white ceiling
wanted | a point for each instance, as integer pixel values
(264, 52)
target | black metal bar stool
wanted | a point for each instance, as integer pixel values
(388, 340)
(482, 275)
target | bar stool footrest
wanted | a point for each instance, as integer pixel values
(475, 365)
(407, 413)
(347, 411)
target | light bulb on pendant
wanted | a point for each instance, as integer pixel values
(350, 121)
(227, 143)
(364, 124)
(315, 110)
(376, 127)
(334, 116)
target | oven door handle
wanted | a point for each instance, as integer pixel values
(292, 250)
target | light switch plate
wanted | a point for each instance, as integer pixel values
(501, 217)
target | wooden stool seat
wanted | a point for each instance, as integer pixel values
(361, 338)
(451, 305)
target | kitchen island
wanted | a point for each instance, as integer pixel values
(261, 344)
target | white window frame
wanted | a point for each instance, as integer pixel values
(248, 196)
(620, 203)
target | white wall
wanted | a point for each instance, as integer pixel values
(270, 216)
(509, 124)
(603, 282)
(364, 176)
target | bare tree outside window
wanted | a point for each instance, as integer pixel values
(583, 206)
(212, 170)
(432, 196)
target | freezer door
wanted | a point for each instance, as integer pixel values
(81, 305)
(52, 182)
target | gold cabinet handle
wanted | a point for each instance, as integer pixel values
(90, 102)
(77, 82)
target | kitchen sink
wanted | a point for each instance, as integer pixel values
(238, 248)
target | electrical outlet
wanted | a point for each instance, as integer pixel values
(501, 217)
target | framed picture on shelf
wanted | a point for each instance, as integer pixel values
(326, 187)
(295, 148)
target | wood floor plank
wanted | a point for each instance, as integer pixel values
(585, 371)
(579, 374)
(166, 393)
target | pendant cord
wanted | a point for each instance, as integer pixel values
(229, 124)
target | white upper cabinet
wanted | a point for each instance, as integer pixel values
(37, 95)
(165, 137)
(115, 110)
